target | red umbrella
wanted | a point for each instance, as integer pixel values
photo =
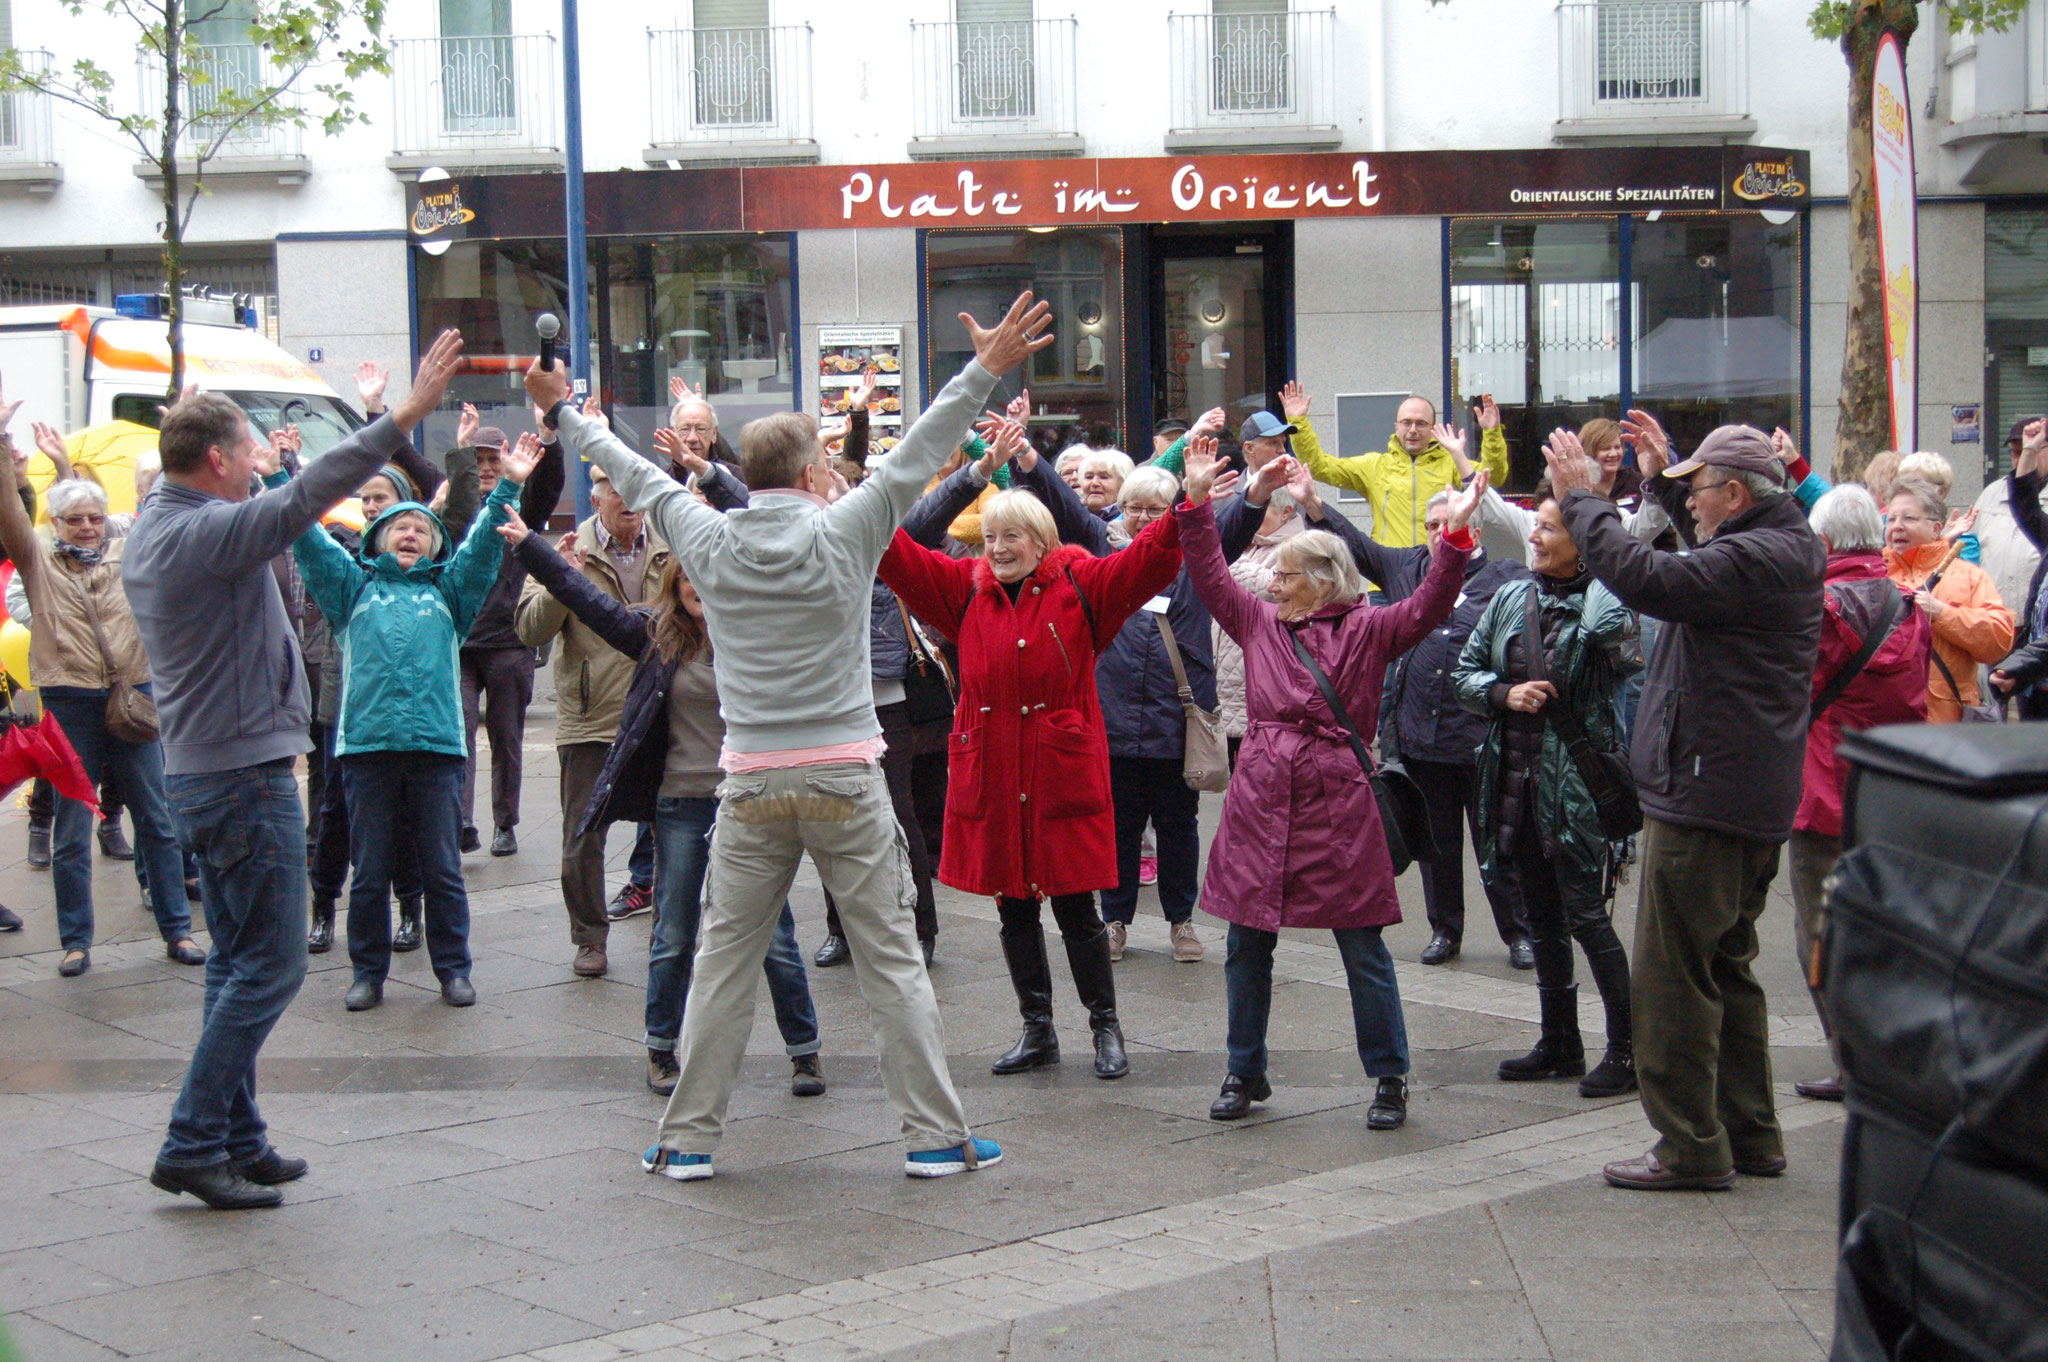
(39, 748)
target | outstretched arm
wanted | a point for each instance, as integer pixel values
(935, 587)
(623, 628)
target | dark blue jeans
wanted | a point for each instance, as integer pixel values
(1375, 999)
(682, 829)
(1152, 789)
(330, 836)
(249, 832)
(640, 865)
(139, 770)
(389, 794)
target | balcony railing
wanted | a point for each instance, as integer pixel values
(1638, 59)
(1263, 70)
(27, 133)
(999, 78)
(729, 84)
(477, 95)
(218, 88)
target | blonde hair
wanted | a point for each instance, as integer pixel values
(678, 635)
(1322, 558)
(1018, 509)
(1880, 473)
(1924, 466)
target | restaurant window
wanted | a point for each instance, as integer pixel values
(2015, 324)
(1077, 383)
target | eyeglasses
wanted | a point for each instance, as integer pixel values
(1909, 520)
(79, 522)
(1280, 573)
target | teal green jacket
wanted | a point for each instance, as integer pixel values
(1590, 661)
(400, 630)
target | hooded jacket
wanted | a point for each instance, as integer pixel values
(1891, 688)
(1720, 731)
(1399, 487)
(400, 630)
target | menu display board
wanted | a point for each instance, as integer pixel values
(847, 352)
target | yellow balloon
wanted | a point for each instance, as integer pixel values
(14, 652)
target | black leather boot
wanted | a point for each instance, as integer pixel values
(1093, 980)
(408, 935)
(1616, 1072)
(1559, 1052)
(321, 939)
(1031, 976)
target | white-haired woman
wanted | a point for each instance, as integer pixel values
(1300, 844)
(1102, 475)
(84, 643)
(1028, 813)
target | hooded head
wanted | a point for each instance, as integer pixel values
(409, 534)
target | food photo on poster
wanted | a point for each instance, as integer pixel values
(849, 355)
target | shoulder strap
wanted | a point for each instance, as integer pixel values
(1330, 698)
(1532, 633)
(1887, 620)
(1086, 609)
(1180, 673)
(92, 613)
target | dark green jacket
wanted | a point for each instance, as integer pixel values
(1591, 657)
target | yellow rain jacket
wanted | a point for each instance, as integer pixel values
(1398, 487)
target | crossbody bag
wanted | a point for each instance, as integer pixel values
(1404, 814)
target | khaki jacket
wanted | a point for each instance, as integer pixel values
(63, 649)
(591, 677)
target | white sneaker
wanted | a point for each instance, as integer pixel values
(1118, 934)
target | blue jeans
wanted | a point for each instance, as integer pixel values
(139, 771)
(249, 832)
(389, 793)
(682, 829)
(640, 865)
(1375, 999)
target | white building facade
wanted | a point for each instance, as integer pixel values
(1571, 205)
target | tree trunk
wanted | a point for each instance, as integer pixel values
(1865, 423)
(167, 165)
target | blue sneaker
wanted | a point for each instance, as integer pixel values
(680, 1167)
(943, 1163)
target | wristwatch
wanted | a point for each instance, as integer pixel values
(554, 414)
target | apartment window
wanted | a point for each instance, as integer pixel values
(1650, 51)
(735, 63)
(994, 59)
(1251, 61)
(227, 63)
(477, 82)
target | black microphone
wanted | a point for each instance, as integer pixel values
(549, 326)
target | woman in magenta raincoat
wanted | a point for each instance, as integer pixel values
(1300, 844)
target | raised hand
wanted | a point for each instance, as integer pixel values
(863, 392)
(566, 546)
(467, 427)
(7, 411)
(438, 502)
(1294, 403)
(1010, 441)
(514, 530)
(1021, 333)
(371, 380)
(678, 389)
(518, 462)
(1020, 405)
(269, 456)
(1486, 413)
(51, 443)
(1960, 522)
(1453, 440)
(1301, 485)
(430, 384)
(1201, 468)
(1647, 438)
(1782, 446)
(2033, 442)
(545, 387)
(1464, 503)
(594, 408)
(1270, 477)
(1210, 422)
(1226, 484)
(1572, 469)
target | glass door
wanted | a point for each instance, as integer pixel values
(1219, 321)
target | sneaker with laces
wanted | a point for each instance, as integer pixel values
(630, 901)
(662, 1071)
(1187, 948)
(676, 1167)
(1119, 935)
(1148, 870)
(943, 1163)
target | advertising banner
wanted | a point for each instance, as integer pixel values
(1898, 238)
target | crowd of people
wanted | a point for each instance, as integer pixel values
(983, 662)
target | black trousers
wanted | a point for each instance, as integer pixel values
(1075, 914)
(1451, 790)
(499, 682)
(898, 761)
(1565, 904)
(1151, 789)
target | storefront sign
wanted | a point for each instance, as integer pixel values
(1898, 239)
(1513, 183)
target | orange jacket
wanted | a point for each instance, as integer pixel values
(1975, 628)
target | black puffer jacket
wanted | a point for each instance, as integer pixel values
(1720, 731)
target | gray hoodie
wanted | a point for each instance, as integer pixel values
(786, 583)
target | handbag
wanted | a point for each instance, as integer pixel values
(1984, 712)
(930, 690)
(1404, 813)
(1606, 773)
(1205, 754)
(131, 715)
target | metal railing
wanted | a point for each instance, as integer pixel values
(1273, 69)
(219, 85)
(27, 131)
(1650, 58)
(729, 84)
(971, 79)
(478, 93)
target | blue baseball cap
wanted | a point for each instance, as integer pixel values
(1261, 424)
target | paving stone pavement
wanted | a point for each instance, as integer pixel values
(475, 1193)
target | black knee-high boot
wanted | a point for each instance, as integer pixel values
(1031, 976)
(1094, 981)
(1616, 1072)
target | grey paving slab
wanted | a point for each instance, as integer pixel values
(145, 1318)
(467, 1325)
(845, 1243)
(643, 1288)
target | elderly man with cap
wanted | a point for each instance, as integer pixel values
(1717, 755)
(1420, 460)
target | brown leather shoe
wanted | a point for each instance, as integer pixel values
(590, 961)
(1772, 1167)
(1645, 1174)
(1820, 1089)
(1187, 948)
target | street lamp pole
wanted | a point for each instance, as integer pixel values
(578, 248)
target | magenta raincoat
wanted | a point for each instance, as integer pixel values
(1300, 843)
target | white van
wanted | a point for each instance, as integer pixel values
(79, 366)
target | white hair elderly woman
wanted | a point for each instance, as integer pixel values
(83, 647)
(1102, 475)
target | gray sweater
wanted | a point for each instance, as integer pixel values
(230, 686)
(787, 583)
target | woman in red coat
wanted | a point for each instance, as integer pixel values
(1028, 813)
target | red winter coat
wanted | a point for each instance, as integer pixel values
(1027, 799)
(1891, 688)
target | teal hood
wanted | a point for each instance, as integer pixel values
(373, 535)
